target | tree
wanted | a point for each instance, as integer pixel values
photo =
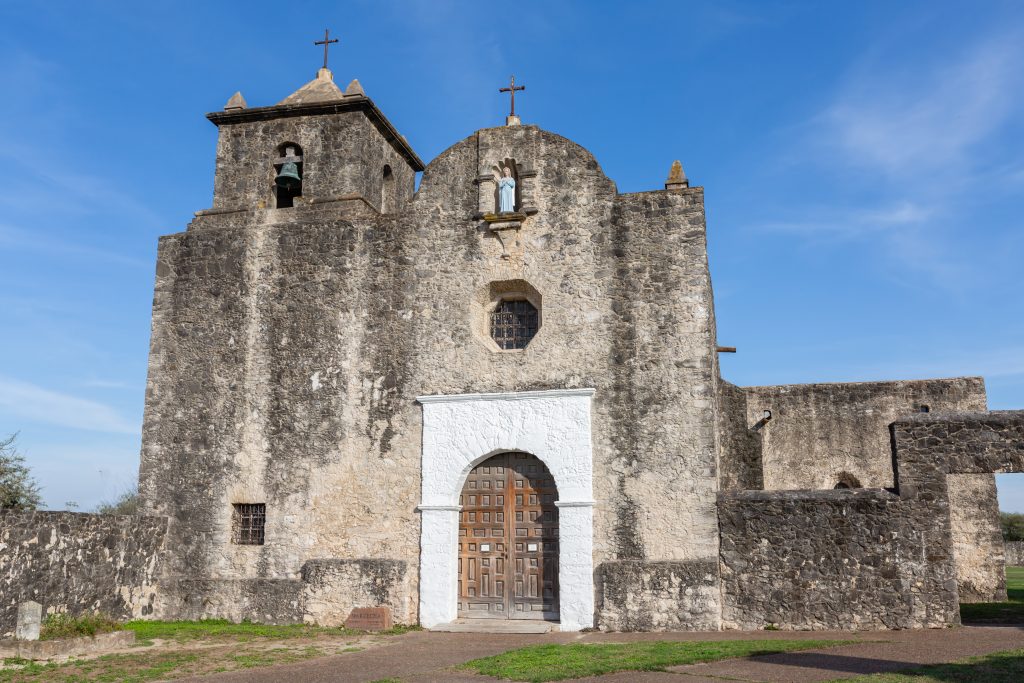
(1013, 526)
(18, 488)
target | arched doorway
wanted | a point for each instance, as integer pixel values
(508, 540)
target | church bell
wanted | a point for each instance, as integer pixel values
(288, 178)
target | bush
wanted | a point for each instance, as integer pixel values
(65, 626)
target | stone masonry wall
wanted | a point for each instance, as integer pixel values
(819, 431)
(1015, 553)
(334, 587)
(739, 460)
(841, 559)
(78, 563)
(863, 558)
(325, 593)
(657, 596)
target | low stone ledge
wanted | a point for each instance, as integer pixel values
(637, 595)
(66, 647)
(809, 495)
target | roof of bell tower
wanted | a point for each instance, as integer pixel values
(320, 89)
(321, 96)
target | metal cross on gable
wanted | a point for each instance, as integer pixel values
(326, 42)
(511, 90)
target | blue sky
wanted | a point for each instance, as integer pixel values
(863, 166)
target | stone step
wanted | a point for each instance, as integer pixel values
(497, 626)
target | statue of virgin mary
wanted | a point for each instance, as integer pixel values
(506, 192)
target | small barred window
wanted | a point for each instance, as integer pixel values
(248, 523)
(514, 323)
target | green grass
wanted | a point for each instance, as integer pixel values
(152, 666)
(558, 662)
(64, 626)
(1009, 612)
(999, 667)
(226, 630)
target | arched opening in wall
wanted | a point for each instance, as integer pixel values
(387, 191)
(845, 480)
(288, 169)
(508, 540)
(507, 195)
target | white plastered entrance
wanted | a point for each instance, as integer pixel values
(462, 430)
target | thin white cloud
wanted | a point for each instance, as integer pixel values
(927, 121)
(29, 402)
(930, 140)
(18, 238)
(853, 224)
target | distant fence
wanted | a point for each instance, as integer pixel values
(1015, 553)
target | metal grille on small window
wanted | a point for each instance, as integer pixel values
(249, 522)
(513, 324)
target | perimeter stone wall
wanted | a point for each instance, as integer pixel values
(79, 563)
(863, 558)
(820, 434)
(842, 559)
(820, 431)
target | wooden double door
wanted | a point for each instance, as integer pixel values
(508, 540)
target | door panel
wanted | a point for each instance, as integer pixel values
(508, 540)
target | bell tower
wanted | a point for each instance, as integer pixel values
(318, 145)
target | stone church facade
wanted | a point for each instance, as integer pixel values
(365, 394)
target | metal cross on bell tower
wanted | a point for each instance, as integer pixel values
(512, 119)
(326, 42)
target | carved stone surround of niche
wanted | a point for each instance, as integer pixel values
(505, 226)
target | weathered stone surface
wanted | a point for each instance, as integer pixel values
(739, 462)
(76, 563)
(822, 560)
(821, 434)
(819, 431)
(1015, 553)
(336, 587)
(863, 558)
(977, 537)
(30, 621)
(657, 596)
(267, 601)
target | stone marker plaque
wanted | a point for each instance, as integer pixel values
(369, 619)
(30, 618)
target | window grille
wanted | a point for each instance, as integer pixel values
(249, 522)
(514, 323)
